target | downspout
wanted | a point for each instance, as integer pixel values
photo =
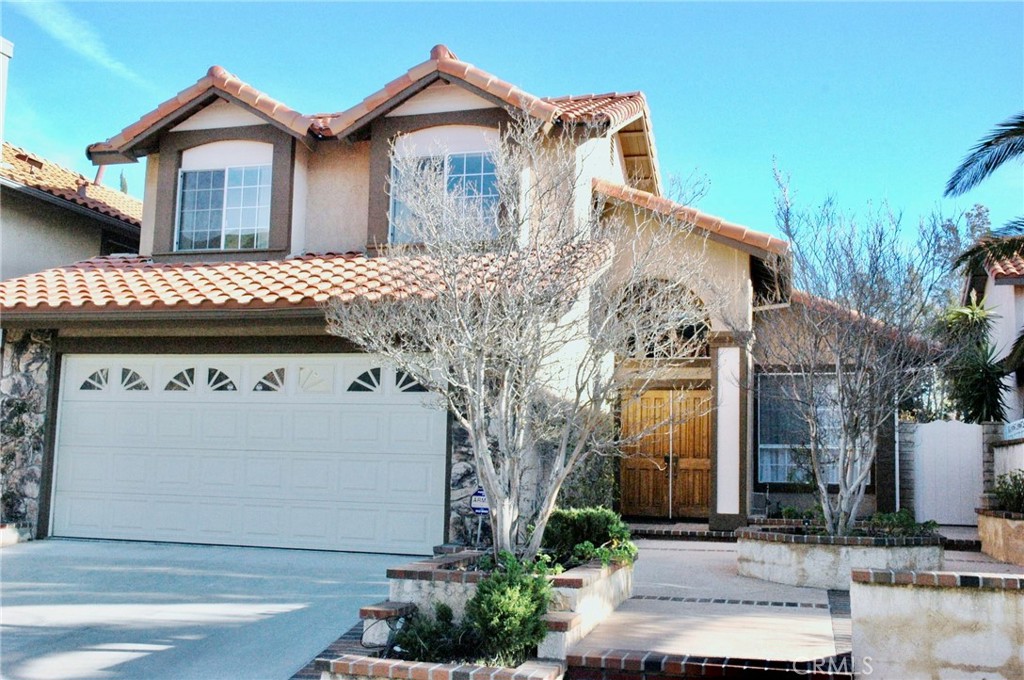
(896, 435)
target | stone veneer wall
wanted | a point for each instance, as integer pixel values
(27, 362)
(926, 624)
(463, 482)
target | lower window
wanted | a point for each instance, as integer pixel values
(784, 436)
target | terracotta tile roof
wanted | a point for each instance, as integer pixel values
(709, 223)
(443, 61)
(137, 283)
(216, 79)
(32, 171)
(1007, 268)
(612, 108)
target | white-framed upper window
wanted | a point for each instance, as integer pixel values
(459, 157)
(224, 196)
(784, 436)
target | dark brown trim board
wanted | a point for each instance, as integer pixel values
(383, 131)
(174, 144)
(49, 443)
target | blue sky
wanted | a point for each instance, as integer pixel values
(866, 101)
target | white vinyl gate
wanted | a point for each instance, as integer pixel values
(947, 472)
(332, 452)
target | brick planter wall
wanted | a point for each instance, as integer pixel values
(1002, 535)
(826, 561)
(928, 624)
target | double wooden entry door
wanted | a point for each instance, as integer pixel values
(666, 472)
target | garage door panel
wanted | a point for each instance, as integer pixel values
(361, 426)
(269, 450)
(83, 468)
(131, 469)
(314, 429)
(360, 478)
(222, 424)
(317, 477)
(359, 526)
(408, 477)
(267, 428)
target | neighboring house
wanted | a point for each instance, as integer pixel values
(1001, 285)
(195, 393)
(54, 216)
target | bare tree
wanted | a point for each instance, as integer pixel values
(854, 344)
(512, 299)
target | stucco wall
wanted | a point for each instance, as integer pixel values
(35, 235)
(146, 239)
(912, 632)
(25, 369)
(338, 197)
(1008, 304)
(721, 274)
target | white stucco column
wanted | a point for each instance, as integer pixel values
(728, 435)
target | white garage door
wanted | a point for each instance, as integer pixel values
(307, 451)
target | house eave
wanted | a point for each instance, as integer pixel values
(108, 222)
(48, 318)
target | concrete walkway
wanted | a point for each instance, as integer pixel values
(689, 600)
(114, 609)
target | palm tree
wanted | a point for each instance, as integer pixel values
(1004, 143)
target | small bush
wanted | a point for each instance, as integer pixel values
(505, 613)
(1009, 491)
(577, 536)
(901, 524)
(436, 638)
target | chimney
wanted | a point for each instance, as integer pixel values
(6, 52)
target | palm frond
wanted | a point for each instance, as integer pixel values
(1002, 144)
(1001, 244)
(1014, 361)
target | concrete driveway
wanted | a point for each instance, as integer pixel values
(111, 609)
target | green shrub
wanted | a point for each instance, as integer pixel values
(436, 638)
(505, 613)
(576, 536)
(1009, 491)
(900, 524)
(591, 483)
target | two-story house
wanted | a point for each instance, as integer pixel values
(193, 392)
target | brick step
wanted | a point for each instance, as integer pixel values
(683, 534)
(379, 621)
(386, 610)
(633, 665)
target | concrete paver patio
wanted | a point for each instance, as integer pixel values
(112, 609)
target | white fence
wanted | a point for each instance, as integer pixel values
(947, 472)
(1008, 458)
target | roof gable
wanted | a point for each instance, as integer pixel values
(442, 65)
(718, 229)
(131, 142)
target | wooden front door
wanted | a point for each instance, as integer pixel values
(667, 469)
